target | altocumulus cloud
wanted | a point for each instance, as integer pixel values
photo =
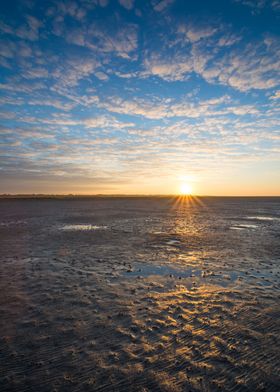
(106, 92)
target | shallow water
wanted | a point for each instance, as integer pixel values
(140, 294)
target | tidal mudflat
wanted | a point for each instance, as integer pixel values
(140, 294)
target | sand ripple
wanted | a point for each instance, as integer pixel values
(153, 308)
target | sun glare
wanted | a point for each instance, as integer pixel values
(185, 189)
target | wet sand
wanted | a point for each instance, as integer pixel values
(140, 295)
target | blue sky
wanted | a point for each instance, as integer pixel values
(128, 96)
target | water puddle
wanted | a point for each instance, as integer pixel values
(263, 218)
(243, 227)
(13, 223)
(145, 270)
(173, 242)
(220, 278)
(83, 227)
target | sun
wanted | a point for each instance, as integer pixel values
(185, 189)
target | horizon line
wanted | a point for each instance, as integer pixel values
(77, 195)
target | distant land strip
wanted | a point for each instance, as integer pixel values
(111, 196)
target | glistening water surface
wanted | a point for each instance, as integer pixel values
(140, 294)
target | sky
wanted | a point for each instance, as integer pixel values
(140, 97)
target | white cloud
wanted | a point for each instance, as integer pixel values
(176, 69)
(70, 8)
(73, 70)
(166, 108)
(128, 4)
(258, 5)
(161, 5)
(104, 122)
(114, 39)
(100, 122)
(276, 95)
(103, 3)
(101, 75)
(254, 67)
(248, 66)
(5, 63)
(18, 85)
(228, 39)
(53, 103)
(195, 33)
(6, 28)
(7, 49)
(30, 30)
(36, 73)
(122, 41)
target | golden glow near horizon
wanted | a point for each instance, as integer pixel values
(186, 189)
